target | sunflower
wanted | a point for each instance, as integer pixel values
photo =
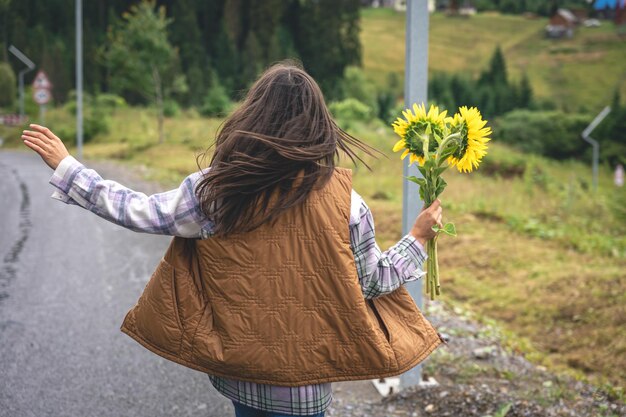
(412, 131)
(471, 125)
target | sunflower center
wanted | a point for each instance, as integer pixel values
(414, 143)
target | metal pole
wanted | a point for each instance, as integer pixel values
(79, 78)
(415, 91)
(596, 146)
(31, 66)
(21, 87)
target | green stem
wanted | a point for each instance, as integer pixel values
(436, 263)
(433, 286)
(444, 145)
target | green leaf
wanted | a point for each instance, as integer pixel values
(450, 149)
(437, 137)
(420, 181)
(440, 170)
(441, 185)
(504, 410)
(422, 169)
(449, 229)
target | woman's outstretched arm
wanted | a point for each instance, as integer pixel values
(173, 212)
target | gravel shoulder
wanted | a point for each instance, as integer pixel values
(477, 377)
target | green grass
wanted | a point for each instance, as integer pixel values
(578, 73)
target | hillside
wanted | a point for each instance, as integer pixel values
(578, 73)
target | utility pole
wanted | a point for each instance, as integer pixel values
(596, 146)
(30, 65)
(415, 91)
(79, 78)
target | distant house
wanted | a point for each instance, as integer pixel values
(398, 5)
(562, 24)
(609, 9)
(580, 13)
(608, 4)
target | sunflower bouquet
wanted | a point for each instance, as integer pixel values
(437, 142)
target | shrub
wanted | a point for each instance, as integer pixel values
(96, 114)
(552, 133)
(355, 85)
(7, 85)
(216, 102)
(171, 108)
(350, 110)
(110, 101)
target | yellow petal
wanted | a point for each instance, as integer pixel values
(399, 145)
(404, 154)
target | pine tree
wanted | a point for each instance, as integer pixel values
(525, 95)
(496, 73)
(186, 34)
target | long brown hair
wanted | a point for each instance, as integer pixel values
(281, 138)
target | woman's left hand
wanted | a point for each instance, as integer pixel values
(46, 144)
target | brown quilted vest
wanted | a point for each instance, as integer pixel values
(279, 305)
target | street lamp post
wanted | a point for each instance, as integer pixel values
(79, 78)
(415, 91)
(30, 66)
(594, 143)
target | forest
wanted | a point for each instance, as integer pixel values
(222, 42)
(173, 55)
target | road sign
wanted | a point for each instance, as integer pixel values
(42, 96)
(42, 82)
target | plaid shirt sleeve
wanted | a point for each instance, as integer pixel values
(174, 213)
(381, 272)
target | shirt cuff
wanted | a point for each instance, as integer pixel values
(64, 175)
(413, 248)
(414, 251)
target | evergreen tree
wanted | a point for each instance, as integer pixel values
(185, 33)
(496, 73)
(525, 96)
(327, 39)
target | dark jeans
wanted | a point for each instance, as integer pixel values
(245, 411)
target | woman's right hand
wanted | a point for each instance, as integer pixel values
(428, 217)
(46, 144)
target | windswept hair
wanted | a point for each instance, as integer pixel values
(272, 151)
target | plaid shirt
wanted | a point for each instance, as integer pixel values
(177, 213)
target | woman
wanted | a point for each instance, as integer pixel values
(271, 171)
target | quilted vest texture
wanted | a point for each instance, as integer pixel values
(279, 305)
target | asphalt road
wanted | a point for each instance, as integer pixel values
(67, 279)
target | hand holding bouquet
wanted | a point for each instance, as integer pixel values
(437, 142)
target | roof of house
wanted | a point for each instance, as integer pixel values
(610, 4)
(567, 15)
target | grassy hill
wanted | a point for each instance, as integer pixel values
(578, 73)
